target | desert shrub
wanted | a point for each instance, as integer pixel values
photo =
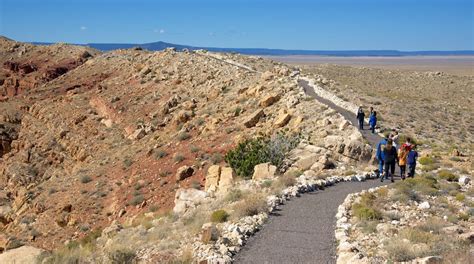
(234, 195)
(463, 216)
(194, 149)
(119, 256)
(365, 212)
(237, 111)
(159, 154)
(427, 160)
(368, 227)
(447, 175)
(252, 205)
(430, 167)
(266, 184)
(195, 184)
(178, 158)
(136, 200)
(127, 162)
(287, 180)
(349, 173)
(219, 216)
(251, 152)
(432, 225)
(455, 159)
(398, 250)
(216, 158)
(407, 190)
(416, 235)
(460, 197)
(85, 179)
(183, 136)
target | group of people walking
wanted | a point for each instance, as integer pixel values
(389, 152)
(372, 119)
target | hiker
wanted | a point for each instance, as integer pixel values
(371, 110)
(390, 157)
(373, 121)
(395, 138)
(408, 143)
(411, 161)
(360, 117)
(402, 159)
(380, 154)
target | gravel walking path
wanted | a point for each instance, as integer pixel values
(303, 230)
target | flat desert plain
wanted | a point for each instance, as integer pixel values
(457, 65)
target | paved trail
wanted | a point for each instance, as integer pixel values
(303, 231)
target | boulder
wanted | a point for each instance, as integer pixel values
(137, 134)
(21, 255)
(226, 180)
(282, 119)
(267, 76)
(269, 100)
(306, 162)
(184, 172)
(431, 260)
(469, 237)
(188, 198)
(464, 180)
(253, 119)
(209, 233)
(424, 205)
(212, 178)
(264, 171)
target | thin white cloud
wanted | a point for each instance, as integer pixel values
(161, 31)
(83, 28)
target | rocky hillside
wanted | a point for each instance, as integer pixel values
(100, 137)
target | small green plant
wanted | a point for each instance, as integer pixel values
(195, 184)
(447, 175)
(85, 179)
(194, 149)
(159, 154)
(233, 195)
(183, 136)
(136, 200)
(266, 184)
(427, 160)
(365, 212)
(216, 158)
(460, 197)
(178, 158)
(219, 216)
(237, 111)
(127, 162)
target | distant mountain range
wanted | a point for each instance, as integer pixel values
(154, 46)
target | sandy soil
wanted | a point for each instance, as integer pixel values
(457, 65)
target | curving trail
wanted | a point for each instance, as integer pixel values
(303, 230)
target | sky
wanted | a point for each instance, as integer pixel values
(291, 24)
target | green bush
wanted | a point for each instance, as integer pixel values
(234, 195)
(183, 136)
(251, 152)
(85, 179)
(447, 175)
(120, 256)
(365, 212)
(219, 216)
(460, 197)
(427, 160)
(136, 200)
(160, 154)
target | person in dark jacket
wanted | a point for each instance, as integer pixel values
(411, 161)
(380, 154)
(360, 118)
(390, 158)
(373, 121)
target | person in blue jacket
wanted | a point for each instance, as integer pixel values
(411, 160)
(373, 121)
(380, 154)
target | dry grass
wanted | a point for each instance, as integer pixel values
(251, 205)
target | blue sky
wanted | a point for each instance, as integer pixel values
(291, 24)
